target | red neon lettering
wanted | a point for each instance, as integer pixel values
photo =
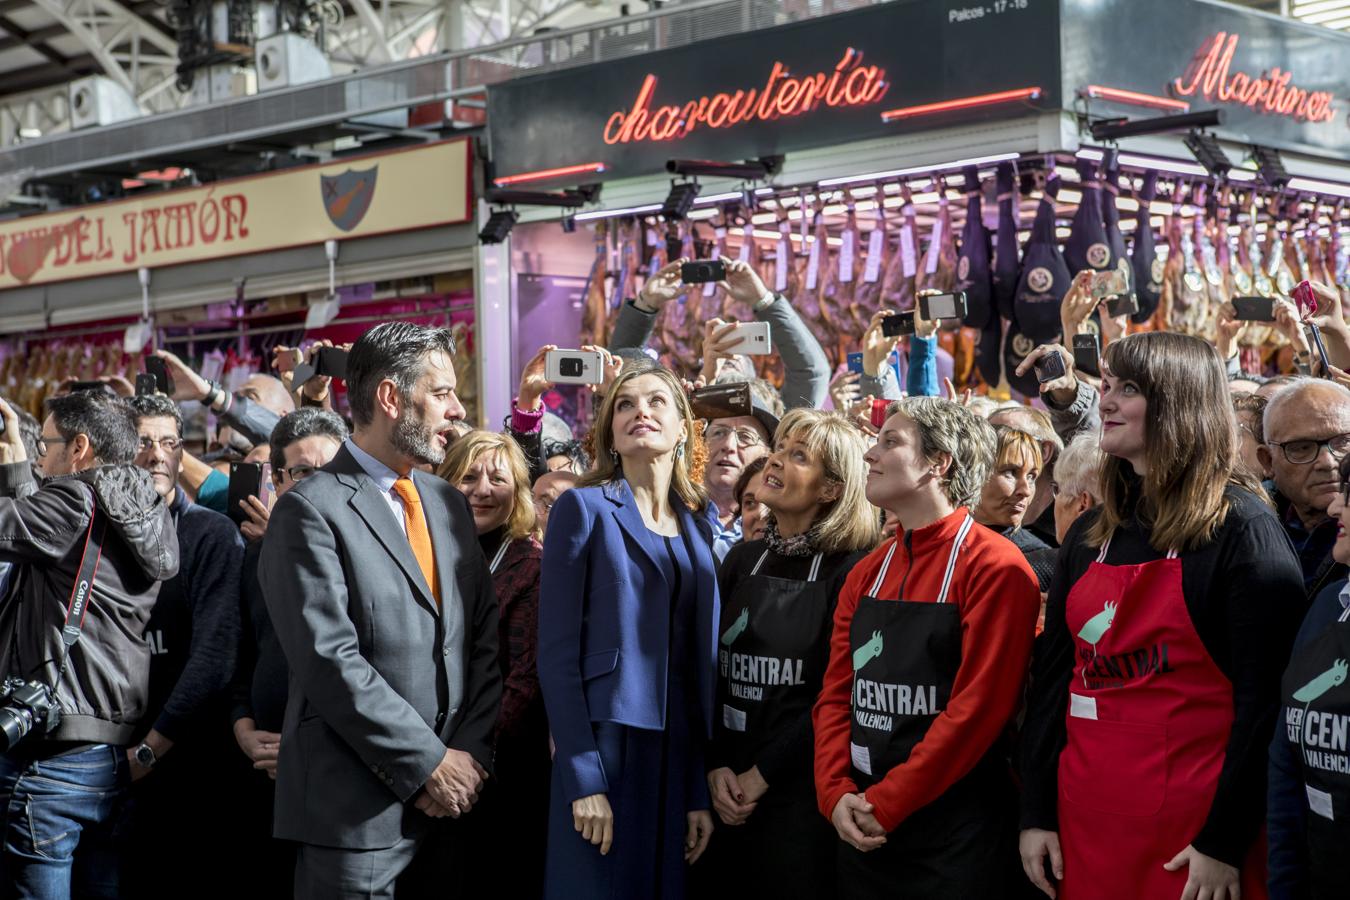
(850, 83)
(1270, 93)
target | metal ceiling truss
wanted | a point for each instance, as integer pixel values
(134, 50)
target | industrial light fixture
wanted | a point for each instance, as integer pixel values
(566, 199)
(1115, 129)
(498, 226)
(1270, 167)
(1207, 152)
(680, 200)
(750, 170)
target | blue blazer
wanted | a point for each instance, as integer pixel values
(604, 625)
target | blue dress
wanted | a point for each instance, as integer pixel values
(648, 772)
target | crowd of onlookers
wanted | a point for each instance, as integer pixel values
(1093, 643)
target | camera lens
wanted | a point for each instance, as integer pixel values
(15, 722)
(571, 366)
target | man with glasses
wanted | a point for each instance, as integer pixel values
(64, 787)
(193, 635)
(733, 443)
(303, 442)
(1307, 434)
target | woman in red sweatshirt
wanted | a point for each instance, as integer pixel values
(932, 636)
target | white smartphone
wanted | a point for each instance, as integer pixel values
(574, 367)
(750, 338)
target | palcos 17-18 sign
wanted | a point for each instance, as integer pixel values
(783, 95)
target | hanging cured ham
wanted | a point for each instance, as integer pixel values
(1087, 246)
(1111, 217)
(595, 312)
(1006, 262)
(1045, 276)
(1144, 261)
(972, 268)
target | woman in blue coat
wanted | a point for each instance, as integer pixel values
(627, 613)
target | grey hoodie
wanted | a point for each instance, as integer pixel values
(42, 532)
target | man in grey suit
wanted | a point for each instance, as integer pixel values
(385, 609)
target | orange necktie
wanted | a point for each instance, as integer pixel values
(418, 535)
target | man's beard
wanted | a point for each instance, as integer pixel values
(413, 437)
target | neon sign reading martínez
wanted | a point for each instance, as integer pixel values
(849, 84)
(1270, 93)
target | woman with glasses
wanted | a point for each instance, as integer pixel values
(774, 635)
(928, 656)
(1007, 495)
(491, 471)
(627, 619)
(748, 505)
(1309, 795)
(1155, 684)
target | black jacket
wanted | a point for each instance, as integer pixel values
(42, 531)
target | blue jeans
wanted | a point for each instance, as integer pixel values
(54, 807)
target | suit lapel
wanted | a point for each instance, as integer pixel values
(629, 517)
(379, 518)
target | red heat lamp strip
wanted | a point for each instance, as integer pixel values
(1120, 95)
(548, 174)
(1030, 93)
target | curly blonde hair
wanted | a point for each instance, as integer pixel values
(475, 445)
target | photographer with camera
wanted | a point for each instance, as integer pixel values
(91, 546)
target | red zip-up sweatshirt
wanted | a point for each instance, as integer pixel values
(998, 599)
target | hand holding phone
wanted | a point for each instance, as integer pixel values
(158, 368)
(1122, 305)
(146, 384)
(1304, 298)
(878, 412)
(721, 401)
(1087, 354)
(245, 481)
(1315, 338)
(855, 362)
(749, 338)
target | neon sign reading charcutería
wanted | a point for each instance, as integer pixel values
(1270, 93)
(849, 84)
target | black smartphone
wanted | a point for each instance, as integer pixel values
(721, 401)
(157, 367)
(943, 306)
(1122, 305)
(702, 271)
(898, 324)
(1087, 353)
(1315, 335)
(146, 385)
(245, 481)
(1254, 309)
(1049, 367)
(331, 361)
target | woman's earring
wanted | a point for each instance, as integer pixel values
(614, 454)
(679, 451)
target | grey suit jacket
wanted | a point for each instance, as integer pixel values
(806, 371)
(381, 681)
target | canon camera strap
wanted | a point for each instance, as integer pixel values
(82, 591)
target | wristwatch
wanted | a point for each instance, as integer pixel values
(145, 757)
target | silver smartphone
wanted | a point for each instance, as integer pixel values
(574, 367)
(750, 338)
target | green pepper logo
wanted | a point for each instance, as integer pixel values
(1322, 683)
(737, 628)
(1095, 628)
(867, 652)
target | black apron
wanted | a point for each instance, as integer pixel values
(773, 647)
(905, 658)
(772, 652)
(1316, 711)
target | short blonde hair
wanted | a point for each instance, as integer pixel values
(1017, 448)
(849, 523)
(475, 445)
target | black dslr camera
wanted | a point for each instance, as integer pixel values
(24, 704)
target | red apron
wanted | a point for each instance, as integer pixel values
(1148, 725)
